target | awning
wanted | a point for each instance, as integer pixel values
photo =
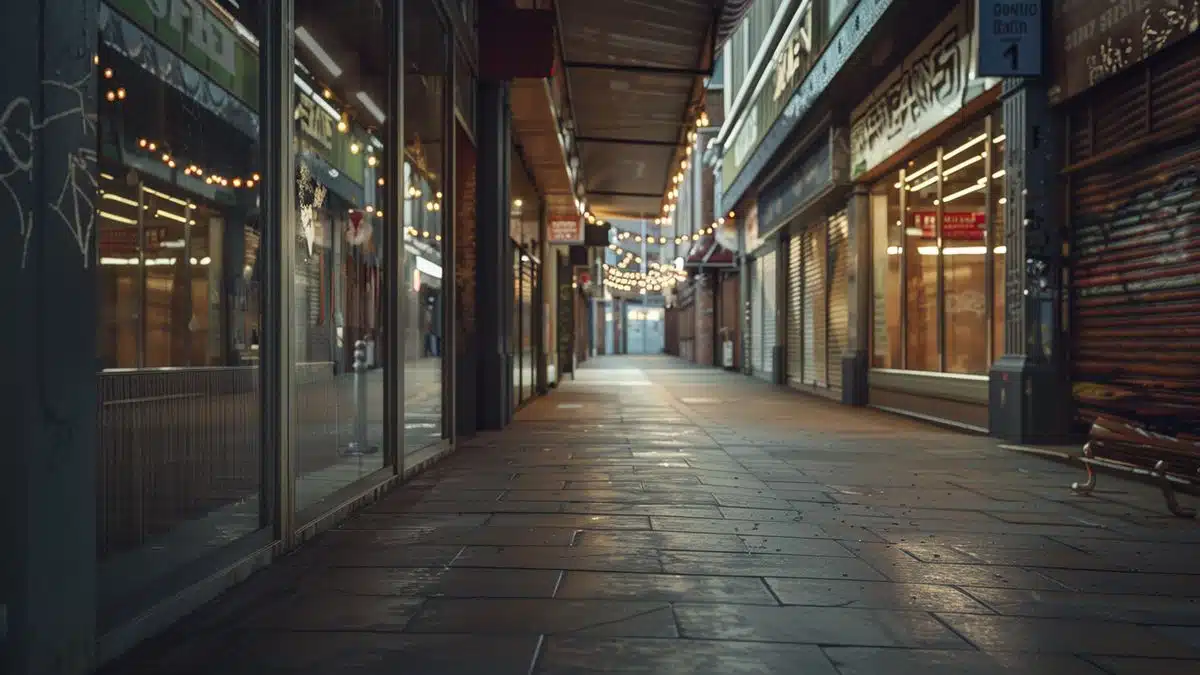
(634, 80)
(708, 252)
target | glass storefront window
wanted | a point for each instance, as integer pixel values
(179, 460)
(964, 250)
(887, 242)
(427, 64)
(940, 245)
(338, 341)
(920, 256)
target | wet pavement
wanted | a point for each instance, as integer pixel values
(655, 517)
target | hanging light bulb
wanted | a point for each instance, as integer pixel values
(371, 161)
(355, 148)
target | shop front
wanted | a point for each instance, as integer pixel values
(1131, 166)
(806, 205)
(271, 298)
(927, 149)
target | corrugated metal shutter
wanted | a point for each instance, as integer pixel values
(756, 315)
(795, 310)
(1135, 222)
(815, 371)
(769, 306)
(839, 295)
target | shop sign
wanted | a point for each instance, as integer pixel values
(956, 225)
(836, 53)
(202, 37)
(566, 230)
(1010, 38)
(787, 68)
(804, 182)
(933, 83)
(1095, 40)
(315, 122)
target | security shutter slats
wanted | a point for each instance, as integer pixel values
(769, 306)
(839, 289)
(795, 309)
(815, 365)
(756, 303)
(1136, 287)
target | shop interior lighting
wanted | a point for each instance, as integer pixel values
(172, 216)
(117, 219)
(318, 51)
(920, 172)
(923, 184)
(965, 146)
(961, 193)
(369, 104)
(975, 159)
(999, 139)
(950, 250)
(119, 199)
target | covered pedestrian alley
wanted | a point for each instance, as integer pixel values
(656, 517)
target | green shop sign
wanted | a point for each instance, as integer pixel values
(205, 38)
(193, 30)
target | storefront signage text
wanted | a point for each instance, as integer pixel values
(1010, 38)
(314, 122)
(862, 19)
(933, 83)
(566, 230)
(956, 225)
(793, 60)
(1095, 40)
(203, 30)
(787, 68)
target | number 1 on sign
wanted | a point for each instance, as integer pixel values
(1012, 54)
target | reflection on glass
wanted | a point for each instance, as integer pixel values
(887, 232)
(964, 250)
(957, 200)
(528, 361)
(999, 248)
(337, 337)
(425, 53)
(514, 338)
(179, 452)
(920, 261)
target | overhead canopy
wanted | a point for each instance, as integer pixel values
(634, 72)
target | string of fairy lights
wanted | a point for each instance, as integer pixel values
(656, 279)
(115, 93)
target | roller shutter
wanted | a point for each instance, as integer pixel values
(838, 296)
(770, 306)
(756, 316)
(815, 370)
(1135, 226)
(795, 310)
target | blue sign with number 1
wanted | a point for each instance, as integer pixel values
(1010, 34)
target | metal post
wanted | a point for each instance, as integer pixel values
(360, 446)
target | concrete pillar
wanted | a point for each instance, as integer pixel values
(493, 269)
(1029, 388)
(48, 273)
(856, 361)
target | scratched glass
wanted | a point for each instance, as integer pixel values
(178, 229)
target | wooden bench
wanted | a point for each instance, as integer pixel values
(1169, 461)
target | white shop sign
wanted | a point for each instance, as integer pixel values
(933, 83)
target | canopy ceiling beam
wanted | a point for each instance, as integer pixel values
(634, 68)
(625, 141)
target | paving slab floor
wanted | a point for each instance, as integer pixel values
(652, 516)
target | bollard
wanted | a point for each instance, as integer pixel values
(359, 446)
